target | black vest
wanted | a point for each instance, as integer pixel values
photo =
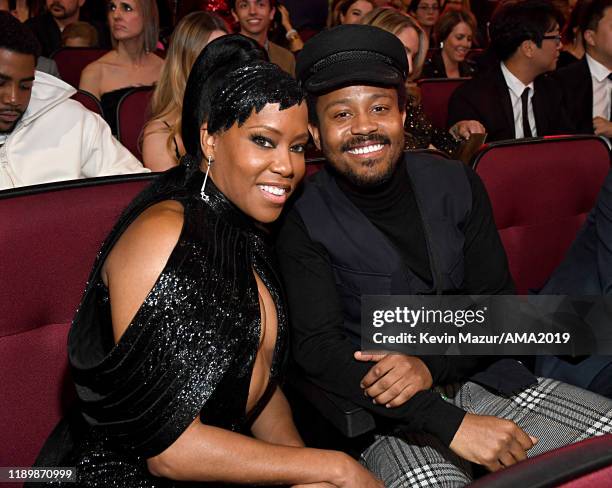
(364, 261)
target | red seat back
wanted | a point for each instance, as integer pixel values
(541, 190)
(435, 94)
(49, 236)
(133, 112)
(72, 60)
(88, 101)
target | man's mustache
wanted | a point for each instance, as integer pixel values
(361, 140)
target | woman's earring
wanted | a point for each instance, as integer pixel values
(204, 196)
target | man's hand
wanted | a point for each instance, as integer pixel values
(495, 443)
(395, 378)
(602, 127)
(464, 128)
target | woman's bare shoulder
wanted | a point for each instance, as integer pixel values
(138, 258)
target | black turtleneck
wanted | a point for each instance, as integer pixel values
(316, 310)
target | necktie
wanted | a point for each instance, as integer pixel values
(525, 103)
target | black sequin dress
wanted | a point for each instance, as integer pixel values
(190, 348)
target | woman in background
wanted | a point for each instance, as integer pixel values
(350, 11)
(420, 133)
(162, 145)
(455, 30)
(426, 12)
(134, 26)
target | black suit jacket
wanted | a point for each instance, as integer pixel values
(577, 88)
(486, 98)
(47, 32)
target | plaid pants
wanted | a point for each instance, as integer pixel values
(556, 413)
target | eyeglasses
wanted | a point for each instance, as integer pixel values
(429, 8)
(556, 38)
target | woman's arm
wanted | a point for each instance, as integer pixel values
(275, 423)
(205, 453)
(155, 154)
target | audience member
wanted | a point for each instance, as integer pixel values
(585, 270)
(23, 9)
(162, 145)
(47, 65)
(44, 135)
(48, 26)
(512, 100)
(80, 34)
(255, 18)
(454, 30)
(573, 43)
(420, 133)
(449, 5)
(426, 12)
(282, 32)
(132, 62)
(587, 84)
(184, 322)
(350, 11)
(378, 221)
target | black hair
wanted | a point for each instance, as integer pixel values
(592, 13)
(232, 4)
(229, 80)
(518, 21)
(311, 100)
(16, 37)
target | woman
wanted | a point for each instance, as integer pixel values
(162, 145)
(351, 11)
(420, 134)
(573, 43)
(134, 26)
(455, 30)
(178, 346)
(426, 12)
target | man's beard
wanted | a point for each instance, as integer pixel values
(360, 180)
(64, 14)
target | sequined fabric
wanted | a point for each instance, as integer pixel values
(420, 133)
(190, 349)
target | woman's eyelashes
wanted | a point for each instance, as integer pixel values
(263, 141)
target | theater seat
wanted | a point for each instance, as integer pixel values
(541, 191)
(435, 94)
(72, 60)
(88, 101)
(49, 236)
(132, 114)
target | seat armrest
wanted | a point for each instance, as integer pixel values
(350, 419)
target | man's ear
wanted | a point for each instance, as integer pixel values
(589, 37)
(234, 16)
(527, 47)
(207, 143)
(81, 3)
(272, 12)
(404, 117)
(316, 135)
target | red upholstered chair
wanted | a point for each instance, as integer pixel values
(49, 236)
(88, 101)
(435, 94)
(541, 190)
(132, 114)
(72, 60)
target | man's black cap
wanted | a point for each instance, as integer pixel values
(351, 55)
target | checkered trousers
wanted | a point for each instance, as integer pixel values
(556, 413)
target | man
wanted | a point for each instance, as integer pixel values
(48, 27)
(512, 100)
(255, 17)
(587, 84)
(377, 221)
(44, 135)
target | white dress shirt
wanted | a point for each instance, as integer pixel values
(516, 89)
(602, 87)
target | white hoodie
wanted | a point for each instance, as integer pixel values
(58, 139)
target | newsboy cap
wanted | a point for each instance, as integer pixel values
(351, 55)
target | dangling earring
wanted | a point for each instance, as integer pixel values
(204, 196)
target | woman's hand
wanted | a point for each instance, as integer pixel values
(285, 18)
